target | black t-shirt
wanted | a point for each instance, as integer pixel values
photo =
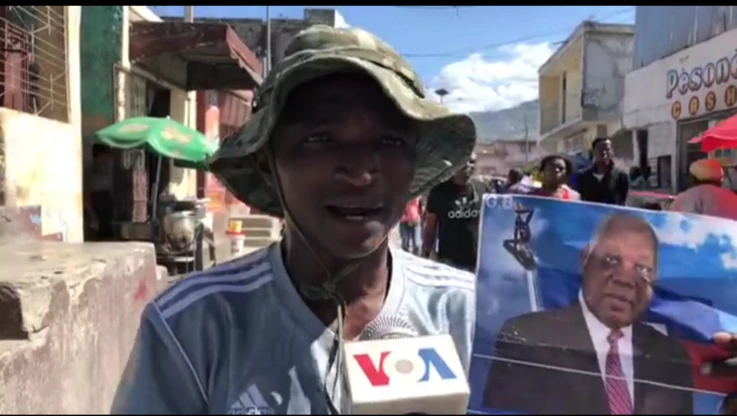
(612, 188)
(457, 208)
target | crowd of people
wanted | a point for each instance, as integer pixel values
(450, 219)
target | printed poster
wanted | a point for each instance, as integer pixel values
(587, 308)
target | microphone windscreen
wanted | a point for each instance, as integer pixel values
(388, 327)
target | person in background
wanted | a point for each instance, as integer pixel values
(706, 195)
(556, 169)
(452, 218)
(409, 225)
(99, 203)
(514, 179)
(603, 182)
(639, 177)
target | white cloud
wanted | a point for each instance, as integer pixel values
(692, 231)
(340, 21)
(481, 84)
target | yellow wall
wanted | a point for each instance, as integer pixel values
(44, 156)
(553, 107)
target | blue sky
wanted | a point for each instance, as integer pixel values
(487, 56)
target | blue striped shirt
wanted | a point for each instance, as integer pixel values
(238, 338)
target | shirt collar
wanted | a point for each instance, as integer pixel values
(598, 331)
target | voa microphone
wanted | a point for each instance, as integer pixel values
(392, 370)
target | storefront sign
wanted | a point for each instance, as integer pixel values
(703, 89)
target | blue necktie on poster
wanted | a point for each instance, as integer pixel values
(587, 308)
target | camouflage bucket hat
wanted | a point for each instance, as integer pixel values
(445, 143)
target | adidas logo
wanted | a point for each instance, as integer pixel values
(251, 402)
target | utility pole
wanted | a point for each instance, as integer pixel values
(189, 14)
(527, 140)
(267, 58)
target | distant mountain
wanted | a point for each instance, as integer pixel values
(508, 123)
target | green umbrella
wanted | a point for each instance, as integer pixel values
(162, 135)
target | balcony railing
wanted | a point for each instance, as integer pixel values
(33, 63)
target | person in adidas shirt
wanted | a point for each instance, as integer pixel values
(341, 138)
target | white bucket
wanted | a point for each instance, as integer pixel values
(237, 242)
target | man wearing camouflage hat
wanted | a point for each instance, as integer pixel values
(340, 140)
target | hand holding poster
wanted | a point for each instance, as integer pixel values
(586, 308)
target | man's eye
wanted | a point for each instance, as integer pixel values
(610, 260)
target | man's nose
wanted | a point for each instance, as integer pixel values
(626, 274)
(359, 166)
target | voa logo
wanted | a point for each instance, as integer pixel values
(404, 367)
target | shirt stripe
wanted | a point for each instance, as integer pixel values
(429, 273)
(187, 286)
(246, 286)
(223, 271)
(243, 275)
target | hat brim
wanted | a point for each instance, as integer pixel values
(445, 142)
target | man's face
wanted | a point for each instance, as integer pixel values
(345, 157)
(466, 172)
(603, 151)
(618, 274)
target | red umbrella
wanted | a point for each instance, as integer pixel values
(721, 136)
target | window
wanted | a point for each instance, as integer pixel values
(33, 64)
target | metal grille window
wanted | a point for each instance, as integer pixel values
(33, 63)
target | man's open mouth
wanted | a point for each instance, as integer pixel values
(354, 213)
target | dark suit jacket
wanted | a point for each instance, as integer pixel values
(560, 338)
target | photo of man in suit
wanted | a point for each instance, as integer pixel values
(594, 356)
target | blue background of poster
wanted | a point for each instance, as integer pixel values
(698, 267)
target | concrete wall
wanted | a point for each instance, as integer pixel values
(594, 62)
(44, 156)
(45, 169)
(68, 319)
(559, 106)
(695, 82)
(607, 60)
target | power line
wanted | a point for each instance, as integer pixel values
(467, 51)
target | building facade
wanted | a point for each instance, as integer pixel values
(581, 88)
(135, 64)
(40, 117)
(676, 97)
(498, 157)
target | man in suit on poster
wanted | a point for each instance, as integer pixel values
(595, 357)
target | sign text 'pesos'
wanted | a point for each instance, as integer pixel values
(717, 78)
(403, 367)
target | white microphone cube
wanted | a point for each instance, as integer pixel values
(408, 375)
